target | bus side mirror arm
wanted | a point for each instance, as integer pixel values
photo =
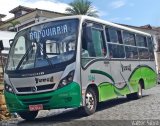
(1, 45)
(10, 42)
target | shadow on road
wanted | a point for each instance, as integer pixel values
(114, 102)
(73, 114)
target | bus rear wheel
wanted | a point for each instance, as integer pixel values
(29, 116)
(90, 102)
(136, 95)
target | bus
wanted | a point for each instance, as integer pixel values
(76, 61)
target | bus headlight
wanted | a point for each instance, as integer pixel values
(66, 80)
(8, 88)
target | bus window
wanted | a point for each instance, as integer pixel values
(151, 47)
(20, 47)
(94, 47)
(98, 43)
(143, 53)
(116, 51)
(114, 35)
(119, 33)
(141, 41)
(131, 52)
(128, 38)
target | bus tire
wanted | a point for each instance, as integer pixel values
(29, 116)
(136, 95)
(90, 102)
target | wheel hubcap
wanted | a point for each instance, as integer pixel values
(89, 101)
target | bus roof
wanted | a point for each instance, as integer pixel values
(84, 17)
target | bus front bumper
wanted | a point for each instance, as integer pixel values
(66, 97)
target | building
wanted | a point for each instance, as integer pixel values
(25, 16)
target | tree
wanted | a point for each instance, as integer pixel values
(82, 7)
(14, 24)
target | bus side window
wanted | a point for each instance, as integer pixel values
(85, 40)
(131, 52)
(151, 47)
(143, 53)
(114, 35)
(141, 41)
(129, 38)
(98, 42)
(116, 51)
(93, 43)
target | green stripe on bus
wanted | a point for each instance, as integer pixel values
(103, 73)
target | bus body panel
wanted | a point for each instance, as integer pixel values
(110, 86)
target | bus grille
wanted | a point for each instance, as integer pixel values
(34, 101)
(39, 88)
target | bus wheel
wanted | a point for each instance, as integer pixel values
(29, 116)
(136, 95)
(90, 102)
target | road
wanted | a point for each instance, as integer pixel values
(144, 111)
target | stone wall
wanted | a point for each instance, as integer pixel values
(4, 114)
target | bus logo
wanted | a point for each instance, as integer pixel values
(125, 68)
(40, 80)
(34, 89)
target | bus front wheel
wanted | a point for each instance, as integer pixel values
(29, 116)
(90, 102)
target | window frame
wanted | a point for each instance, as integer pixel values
(146, 41)
(104, 40)
(116, 45)
(107, 33)
(126, 52)
(153, 47)
(139, 53)
(134, 34)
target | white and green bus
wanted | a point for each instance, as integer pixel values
(76, 61)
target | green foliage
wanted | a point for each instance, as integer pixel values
(13, 24)
(82, 7)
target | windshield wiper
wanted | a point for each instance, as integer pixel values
(24, 56)
(49, 62)
(27, 52)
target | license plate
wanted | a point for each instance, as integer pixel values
(35, 107)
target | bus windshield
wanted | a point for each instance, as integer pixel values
(43, 45)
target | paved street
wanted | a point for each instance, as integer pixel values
(115, 111)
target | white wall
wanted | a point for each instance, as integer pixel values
(5, 36)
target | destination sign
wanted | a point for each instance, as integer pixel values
(48, 32)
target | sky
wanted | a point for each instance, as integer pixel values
(130, 12)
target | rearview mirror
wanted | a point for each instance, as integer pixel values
(1, 45)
